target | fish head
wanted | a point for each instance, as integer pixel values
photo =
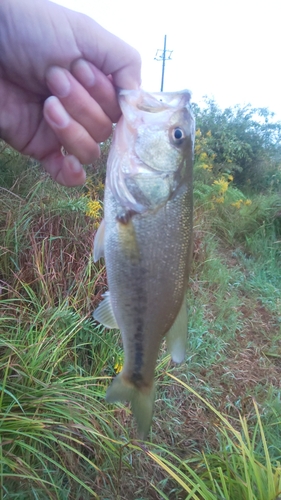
(152, 148)
(159, 127)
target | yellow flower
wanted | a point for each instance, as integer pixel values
(209, 133)
(118, 366)
(218, 199)
(93, 209)
(230, 178)
(203, 156)
(237, 204)
(95, 189)
(198, 133)
(206, 166)
(223, 185)
(99, 188)
(248, 202)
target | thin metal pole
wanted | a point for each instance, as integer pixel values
(163, 55)
(163, 64)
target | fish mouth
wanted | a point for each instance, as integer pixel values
(155, 102)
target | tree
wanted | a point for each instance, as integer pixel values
(242, 141)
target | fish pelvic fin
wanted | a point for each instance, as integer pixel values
(141, 399)
(176, 336)
(104, 313)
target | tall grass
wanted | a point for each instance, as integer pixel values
(53, 416)
(240, 469)
(58, 437)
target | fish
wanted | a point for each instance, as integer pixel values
(146, 239)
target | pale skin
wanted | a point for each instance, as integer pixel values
(59, 71)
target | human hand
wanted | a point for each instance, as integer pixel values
(58, 73)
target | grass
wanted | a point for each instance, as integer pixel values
(47, 398)
(241, 468)
(216, 430)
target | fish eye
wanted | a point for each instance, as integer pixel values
(178, 133)
(177, 136)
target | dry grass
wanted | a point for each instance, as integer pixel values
(233, 354)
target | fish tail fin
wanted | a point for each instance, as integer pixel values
(119, 390)
(141, 399)
(142, 406)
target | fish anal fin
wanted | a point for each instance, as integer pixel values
(104, 313)
(142, 401)
(98, 250)
(176, 336)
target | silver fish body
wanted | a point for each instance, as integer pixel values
(146, 239)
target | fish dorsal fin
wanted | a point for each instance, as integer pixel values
(176, 336)
(98, 250)
(104, 313)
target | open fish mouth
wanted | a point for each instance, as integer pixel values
(155, 102)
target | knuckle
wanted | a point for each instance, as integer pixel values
(102, 133)
(90, 153)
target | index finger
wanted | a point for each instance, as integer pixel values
(99, 86)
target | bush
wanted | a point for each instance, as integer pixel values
(241, 141)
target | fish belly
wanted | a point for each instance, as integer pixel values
(147, 262)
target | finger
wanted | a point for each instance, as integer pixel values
(65, 170)
(99, 86)
(78, 103)
(106, 51)
(73, 136)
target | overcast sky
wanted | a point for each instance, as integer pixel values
(226, 49)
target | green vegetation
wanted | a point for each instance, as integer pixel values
(216, 432)
(242, 141)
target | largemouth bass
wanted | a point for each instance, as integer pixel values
(146, 239)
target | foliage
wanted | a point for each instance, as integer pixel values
(242, 141)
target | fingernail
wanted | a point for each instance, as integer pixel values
(58, 82)
(84, 73)
(56, 113)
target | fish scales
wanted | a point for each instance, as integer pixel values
(158, 306)
(147, 245)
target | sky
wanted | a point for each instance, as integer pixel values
(226, 49)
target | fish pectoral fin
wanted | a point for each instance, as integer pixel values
(176, 336)
(104, 313)
(98, 250)
(141, 399)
